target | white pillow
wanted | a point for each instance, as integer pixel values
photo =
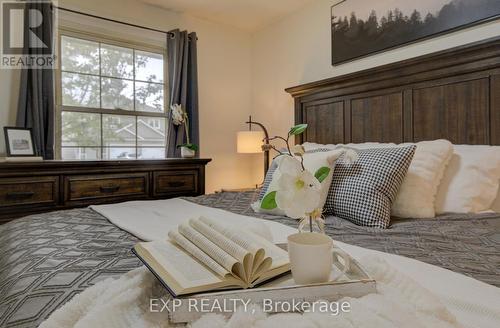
(312, 162)
(470, 183)
(417, 195)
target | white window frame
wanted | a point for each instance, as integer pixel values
(90, 36)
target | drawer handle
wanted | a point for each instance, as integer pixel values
(110, 189)
(176, 184)
(20, 195)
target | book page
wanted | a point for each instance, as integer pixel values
(184, 268)
(220, 240)
(198, 253)
(179, 270)
(251, 241)
(215, 252)
(245, 241)
(230, 247)
(278, 255)
(235, 235)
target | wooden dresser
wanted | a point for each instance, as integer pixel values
(27, 188)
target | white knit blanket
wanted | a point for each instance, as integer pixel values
(399, 302)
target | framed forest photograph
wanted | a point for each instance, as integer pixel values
(361, 28)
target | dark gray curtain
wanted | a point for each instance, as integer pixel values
(183, 87)
(36, 97)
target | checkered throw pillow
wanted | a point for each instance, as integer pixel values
(363, 192)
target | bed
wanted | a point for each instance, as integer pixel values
(49, 258)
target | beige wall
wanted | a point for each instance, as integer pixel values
(224, 63)
(296, 50)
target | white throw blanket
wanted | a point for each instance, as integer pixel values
(152, 220)
(410, 293)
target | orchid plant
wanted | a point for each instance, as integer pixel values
(298, 191)
(180, 117)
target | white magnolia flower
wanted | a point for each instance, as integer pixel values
(177, 114)
(298, 150)
(298, 191)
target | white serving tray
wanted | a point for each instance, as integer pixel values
(354, 283)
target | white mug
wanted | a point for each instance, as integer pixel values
(312, 256)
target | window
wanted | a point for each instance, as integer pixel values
(112, 101)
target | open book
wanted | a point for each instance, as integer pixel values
(202, 255)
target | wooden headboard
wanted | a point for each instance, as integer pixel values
(453, 94)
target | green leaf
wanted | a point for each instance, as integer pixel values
(298, 129)
(269, 201)
(322, 173)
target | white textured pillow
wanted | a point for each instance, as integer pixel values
(417, 195)
(470, 183)
(312, 162)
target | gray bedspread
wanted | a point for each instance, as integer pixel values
(46, 259)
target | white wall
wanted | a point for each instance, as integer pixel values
(296, 50)
(224, 70)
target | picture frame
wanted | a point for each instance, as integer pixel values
(19, 142)
(387, 24)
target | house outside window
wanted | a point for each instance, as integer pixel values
(111, 99)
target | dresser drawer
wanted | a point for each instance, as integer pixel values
(25, 191)
(83, 187)
(183, 182)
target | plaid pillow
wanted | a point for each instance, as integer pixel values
(364, 191)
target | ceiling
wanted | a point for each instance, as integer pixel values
(248, 15)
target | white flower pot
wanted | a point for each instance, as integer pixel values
(187, 153)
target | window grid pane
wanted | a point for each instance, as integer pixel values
(117, 62)
(81, 129)
(117, 93)
(80, 90)
(79, 56)
(135, 85)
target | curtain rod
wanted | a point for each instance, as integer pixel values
(171, 34)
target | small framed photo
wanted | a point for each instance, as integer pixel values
(19, 142)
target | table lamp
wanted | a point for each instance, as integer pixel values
(253, 142)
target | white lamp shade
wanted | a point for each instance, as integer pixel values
(250, 142)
